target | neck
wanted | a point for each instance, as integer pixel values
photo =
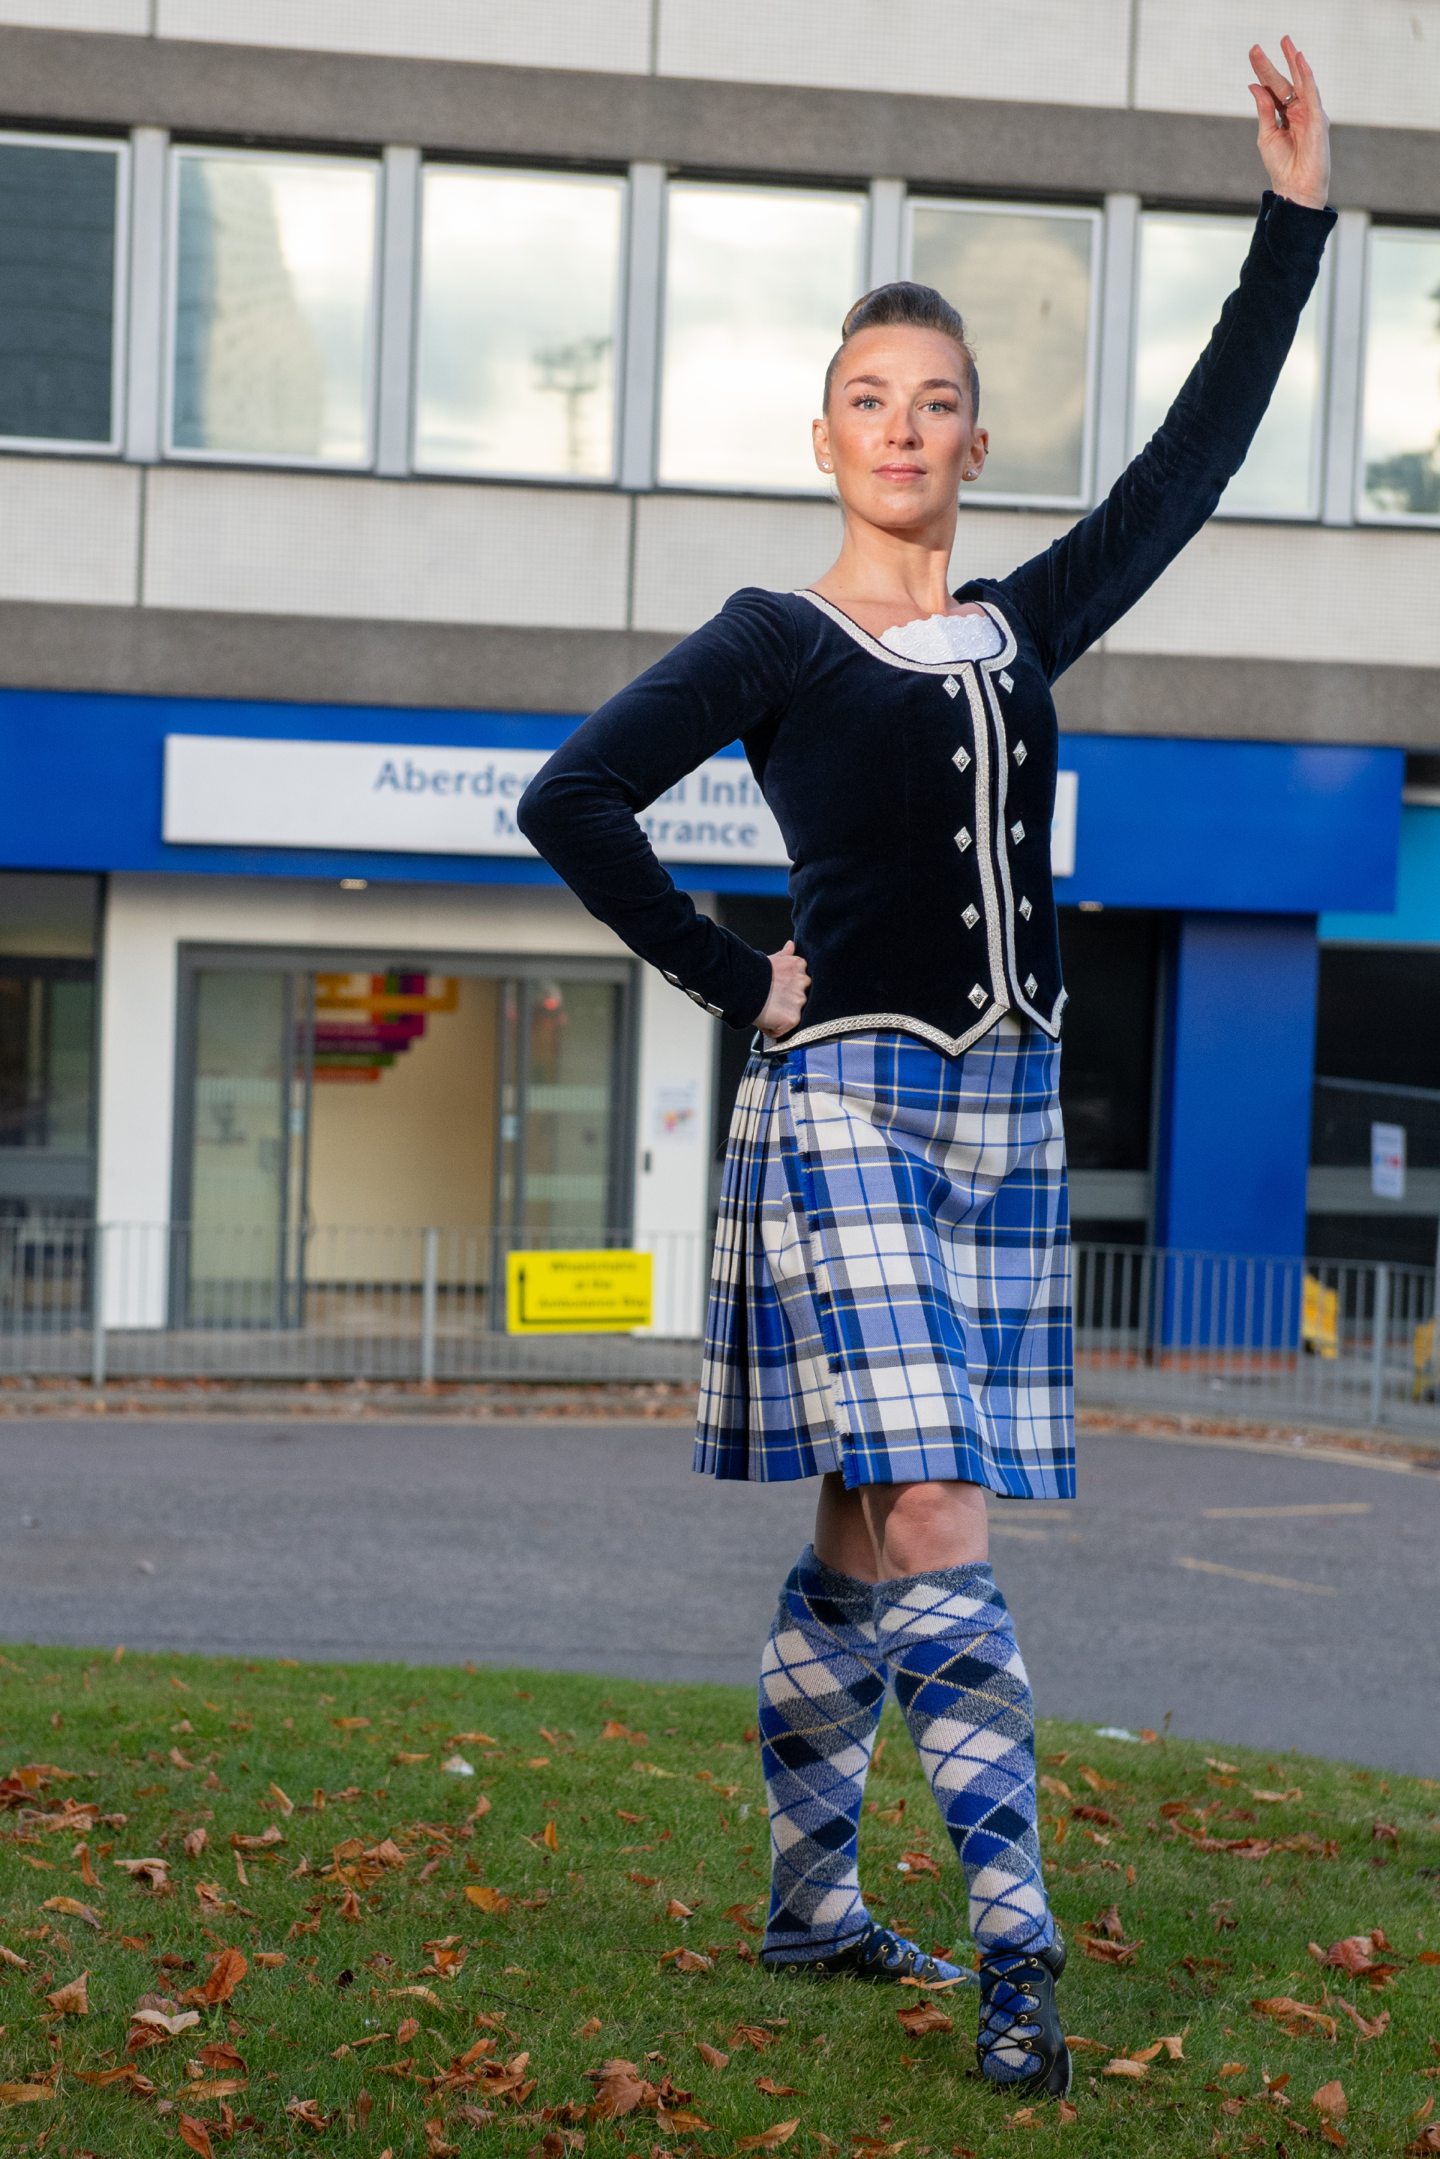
(885, 569)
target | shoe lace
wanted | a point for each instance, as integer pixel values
(1008, 2008)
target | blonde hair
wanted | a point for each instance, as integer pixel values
(918, 307)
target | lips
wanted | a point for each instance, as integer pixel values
(900, 472)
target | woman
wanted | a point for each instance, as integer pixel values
(889, 1306)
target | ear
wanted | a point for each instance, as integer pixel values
(820, 444)
(979, 450)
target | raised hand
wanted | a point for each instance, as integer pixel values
(1294, 128)
(789, 987)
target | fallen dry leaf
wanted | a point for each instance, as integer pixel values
(160, 2020)
(226, 1973)
(73, 1909)
(1330, 2099)
(307, 2113)
(71, 2000)
(676, 1910)
(712, 2057)
(922, 2017)
(1368, 2028)
(687, 1960)
(769, 2140)
(19, 2095)
(196, 2135)
(1125, 2065)
(1299, 2019)
(488, 1900)
(772, 2090)
(195, 1842)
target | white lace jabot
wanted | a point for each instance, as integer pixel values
(945, 637)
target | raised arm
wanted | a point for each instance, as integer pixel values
(1074, 591)
(726, 678)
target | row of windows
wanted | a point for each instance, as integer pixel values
(518, 304)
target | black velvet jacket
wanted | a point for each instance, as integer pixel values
(914, 797)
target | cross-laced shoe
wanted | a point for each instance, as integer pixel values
(878, 1954)
(1021, 2044)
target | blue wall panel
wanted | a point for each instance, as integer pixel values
(1239, 1059)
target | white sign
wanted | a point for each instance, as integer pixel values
(409, 798)
(677, 1110)
(1387, 1161)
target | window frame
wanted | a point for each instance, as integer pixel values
(1361, 512)
(503, 475)
(739, 489)
(118, 147)
(268, 460)
(1094, 215)
(1320, 442)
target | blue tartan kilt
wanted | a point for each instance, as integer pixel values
(890, 1287)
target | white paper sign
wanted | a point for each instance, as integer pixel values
(677, 1110)
(1387, 1161)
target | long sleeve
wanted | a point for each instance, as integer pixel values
(729, 676)
(1077, 588)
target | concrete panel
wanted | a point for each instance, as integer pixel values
(53, 77)
(692, 551)
(1377, 65)
(69, 530)
(1315, 594)
(565, 33)
(1065, 52)
(298, 544)
(126, 16)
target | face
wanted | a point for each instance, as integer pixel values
(899, 436)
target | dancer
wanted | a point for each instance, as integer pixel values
(889, 1304)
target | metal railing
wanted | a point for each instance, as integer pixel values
(1255, 1338)
(1346, 1342)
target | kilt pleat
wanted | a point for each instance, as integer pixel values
(890, 1287)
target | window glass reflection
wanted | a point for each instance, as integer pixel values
(1402, 376)
(57, 292)
(275, 269)
(757, 283)
(519, 307)
(1023, 280)
(1188, 267)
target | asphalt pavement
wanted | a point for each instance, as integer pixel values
(1249, 1594)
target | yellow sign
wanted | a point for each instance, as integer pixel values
(1320, 1319)
(1426, 1376)
(578, 1292)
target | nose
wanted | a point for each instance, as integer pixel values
(902, 430)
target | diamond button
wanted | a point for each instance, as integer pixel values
(1021, 753)
(1006, 683)
(977, 996)
(1017, 832)
(970, 917)
(1026, 909)
(962, 758)
(1031, 985)
(952, 687)
(962, 839)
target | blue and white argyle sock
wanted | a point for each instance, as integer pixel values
(958, 1675)
(822, 1688)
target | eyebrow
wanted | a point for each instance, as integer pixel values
(935, 382)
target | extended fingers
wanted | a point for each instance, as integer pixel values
(1277, 83)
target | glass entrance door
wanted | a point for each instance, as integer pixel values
(241, 1245)
(560, 1157)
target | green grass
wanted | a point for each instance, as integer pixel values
(590, 1838)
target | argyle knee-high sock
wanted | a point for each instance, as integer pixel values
(959, 1678)
(822, 1688)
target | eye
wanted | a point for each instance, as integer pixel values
(866, 397)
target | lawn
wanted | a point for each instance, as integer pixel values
(257, 1908)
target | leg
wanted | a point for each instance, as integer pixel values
(949, 1642)
(822, 1688)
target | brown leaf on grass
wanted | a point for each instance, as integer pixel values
(73, 1909)
(282, 1800)
(71, 2000)
(1171, 2046)
(1276, 1799)
(752, 2035)
(687, 1960)
(225, 1975)
(424, 1994)
(1427, 2141)
(1301, 2020)
(307, 2113)
(126, 2073)
(270, 1835)
(1068, 2113)
(772, 2090)
(151, 1874)
(918, 1863)
(1352, 1954)
(769, 2140)
(270, 1959)
(1105, 1951)
(87, 1872)
(1056, 1787)
(488, 1900)
(550, 1836)
(713, 2057)
(219, 2054)
(1109, 1923)
(1125, 2065)
(1096, 1782)
(13, 1958)
(386, 1853)
(1096, 1814)
(619, 2090)
(676, 1910)
(195, 1842)
(1330, 2099)
(19, 2095)
(922, 2017)
(1233, 2069)
(1367, 2027)
(349, 1906)
(683, 2120)
(1384, 1832)
(739, 1916)
(196, 2135)
(168, 2022)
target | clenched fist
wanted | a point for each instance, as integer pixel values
(789, 987)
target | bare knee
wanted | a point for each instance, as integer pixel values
(917, 1527)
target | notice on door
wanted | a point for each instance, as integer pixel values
(1387, 1161)
(578, 1292)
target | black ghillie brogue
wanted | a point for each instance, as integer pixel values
(878, 1954)
(1021, 2045)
